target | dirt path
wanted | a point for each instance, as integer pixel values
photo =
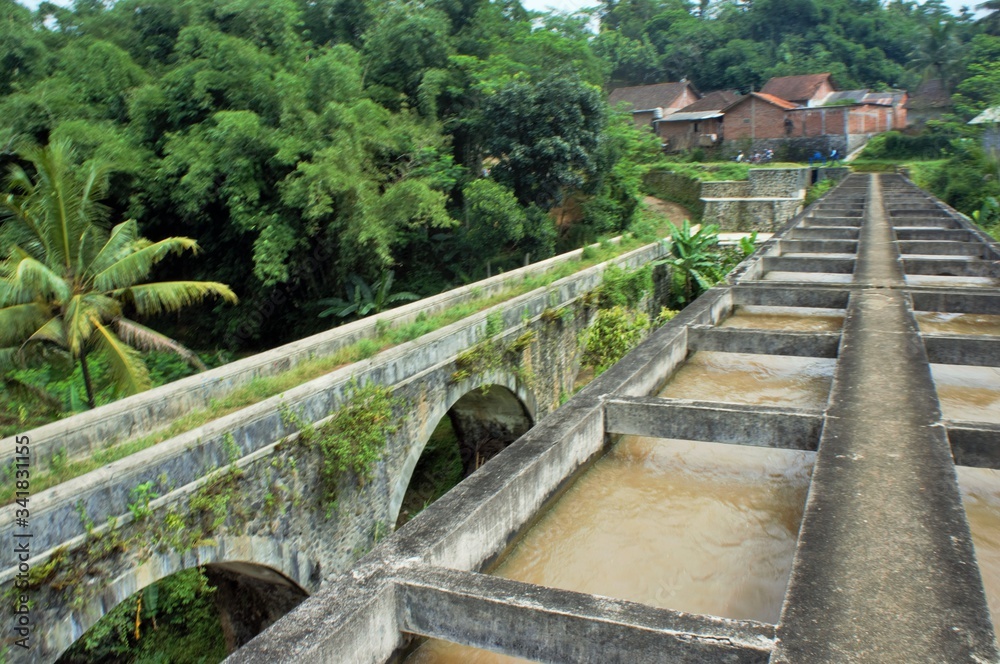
(672, 211)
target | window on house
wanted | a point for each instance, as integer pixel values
(695, 127)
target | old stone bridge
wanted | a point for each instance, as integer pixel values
(884, 567)
(243, 495)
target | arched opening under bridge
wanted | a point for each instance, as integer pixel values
(196, 614)
(475, 429)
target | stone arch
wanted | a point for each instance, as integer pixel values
(516, 404)
(237, 565)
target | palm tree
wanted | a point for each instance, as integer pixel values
(990, 22)
(67, 278)
(938, 54)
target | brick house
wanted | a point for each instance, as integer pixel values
(696, 125)
(807, 90)
(755, 116)
(649, 103)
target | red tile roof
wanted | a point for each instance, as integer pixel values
(646, 97)
(770, 99)
(795, 88)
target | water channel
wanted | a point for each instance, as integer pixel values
(792, 319)
(692, 526)
(968, 393)
(981, 496)
(952, 323)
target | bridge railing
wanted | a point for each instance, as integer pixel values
(79, 435)
(176, 463)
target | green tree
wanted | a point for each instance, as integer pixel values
(67, 280)
(694, 260)
(991, 22)
(494, 220)
(544, 137)
(364, 299)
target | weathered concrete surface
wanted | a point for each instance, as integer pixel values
(884, 570)
(549, 625)
(975, 444)
(714, 422)
(148, 411)
(765, 342)
(981, 351)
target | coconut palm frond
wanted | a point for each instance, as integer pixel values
(135, 266)
(20, 321)
(126, 369)
(52, 331)
(123, 237)
(140, 336)
(94, 238)
(34, 279)
(167, 296)
(77, 324)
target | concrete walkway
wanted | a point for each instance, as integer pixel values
(885, 569)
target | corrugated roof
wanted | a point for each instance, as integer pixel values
(646, 97)
(681, 116)
(713, 101)
(844, 95)
(990, 115)
(795, 88)
(884, 98)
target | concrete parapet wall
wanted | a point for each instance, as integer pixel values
(134, 416)
(765, 202)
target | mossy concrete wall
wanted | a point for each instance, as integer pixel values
(244, 488)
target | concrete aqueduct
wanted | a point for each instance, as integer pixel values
(240, 498)
(884, 567)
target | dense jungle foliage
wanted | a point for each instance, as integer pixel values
(318, 149)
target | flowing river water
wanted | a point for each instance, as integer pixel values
(710, 528)
(691, 526)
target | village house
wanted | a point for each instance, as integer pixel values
(807, 90)
(809, 115)
(649, 103)
(696, 125)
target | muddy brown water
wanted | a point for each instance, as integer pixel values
(968, 393)
(802, 382)
(981, 496)
(950, 323)
(696, 527)
(793, 319)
